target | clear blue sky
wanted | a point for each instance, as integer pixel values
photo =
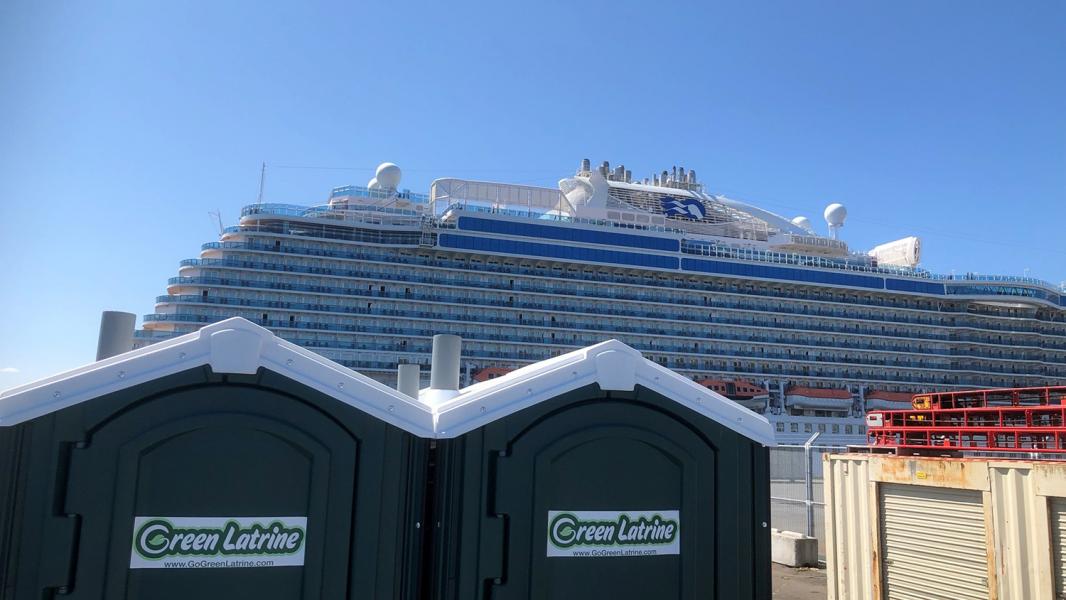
(124, 124)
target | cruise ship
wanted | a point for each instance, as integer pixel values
(756, 306)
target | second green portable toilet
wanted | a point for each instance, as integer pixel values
(598, 474)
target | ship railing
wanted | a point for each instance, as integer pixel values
(559, 218)
(364, 192)
(813, 240)
(363, 213)
(713, 249)
(977, 278)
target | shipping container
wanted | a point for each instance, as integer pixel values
(900, 527)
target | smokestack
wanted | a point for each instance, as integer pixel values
(444, 372)
(408, 378)
(116, 333)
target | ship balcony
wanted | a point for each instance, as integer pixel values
(935, 318)
(565, 322)
(845, 366)
(747, 323)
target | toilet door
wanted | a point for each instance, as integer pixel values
(221, 491)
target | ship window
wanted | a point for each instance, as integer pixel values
(836, 428)
(780, 427)
(847, 429)
(794, 427)
(807, 428)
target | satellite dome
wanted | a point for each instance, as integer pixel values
(388, 175)
(373, 184)
(802, 223)
(835, 214)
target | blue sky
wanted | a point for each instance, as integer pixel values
(126, 123)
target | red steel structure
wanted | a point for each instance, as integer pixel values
(998, 420)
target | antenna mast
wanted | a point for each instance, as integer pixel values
(262, 180)
(218, 215)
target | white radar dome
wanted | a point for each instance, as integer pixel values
(388, 175)
(373, 184)
(802, 223)
(835, 214)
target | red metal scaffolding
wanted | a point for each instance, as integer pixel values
(999, 420)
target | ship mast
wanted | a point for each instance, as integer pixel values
(262, 180)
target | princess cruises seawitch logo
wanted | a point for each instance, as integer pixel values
(599, 533)
(217, 542)
(689, 208)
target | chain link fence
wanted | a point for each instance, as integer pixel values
(797, 499)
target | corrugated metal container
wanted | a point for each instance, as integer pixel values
(944, 528)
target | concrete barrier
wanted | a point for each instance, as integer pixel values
(793, 549)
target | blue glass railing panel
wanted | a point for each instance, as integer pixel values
(568, 234)
(907, 285)
(785, 273)
(561, 252)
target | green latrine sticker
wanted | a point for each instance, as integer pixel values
(217, 542)
(605, 533)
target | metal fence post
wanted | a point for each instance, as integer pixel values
(808, 480)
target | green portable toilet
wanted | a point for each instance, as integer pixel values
(226, 463)
(599, 474)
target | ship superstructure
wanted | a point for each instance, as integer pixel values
(795, 324)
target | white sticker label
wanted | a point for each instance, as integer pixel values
(604, 533)
(217, 542)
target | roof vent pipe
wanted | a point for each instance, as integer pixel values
(408, 379)
(116, 333)
(444, 372)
